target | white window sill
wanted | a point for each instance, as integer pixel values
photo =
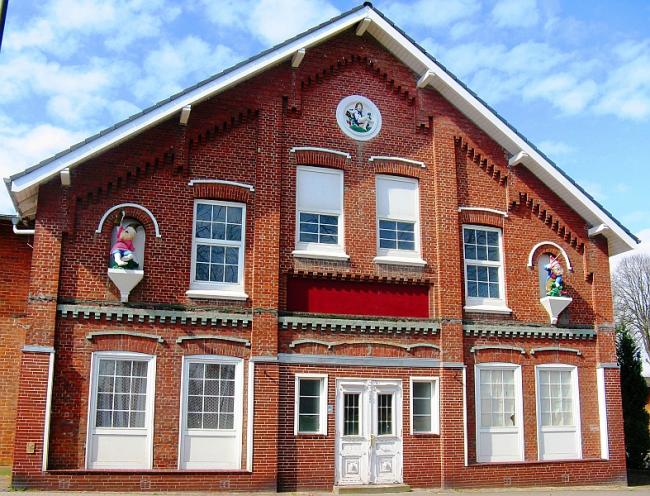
(391, 260)
(503, 310)
(322, 255)
(217, 294)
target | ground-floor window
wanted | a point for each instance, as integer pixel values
(424, 405)
(121, 410)
(499, 426)
(211, 412)
(558, 413)
(311, 404)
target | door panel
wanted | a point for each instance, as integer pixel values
(369, 432)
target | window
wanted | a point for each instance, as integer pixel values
(311, 404)
(121, 410)
(424, 405)
(211, 416)
(483, 255)
(398, 230)
(218, 248)
(558, 415)
(499, 411)
(319, 212)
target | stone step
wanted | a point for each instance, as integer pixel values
(372, 489)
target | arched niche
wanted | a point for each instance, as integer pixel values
(128, 206)
(561, 250)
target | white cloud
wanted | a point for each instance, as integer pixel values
(515, 13)
(626, 92)
(554, 148)
(270, 21)
(643, 247)
(430, 13)
(23, 146)
(563, 91)
(462, 29)
(182, 63)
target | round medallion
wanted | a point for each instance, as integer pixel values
(358, 117)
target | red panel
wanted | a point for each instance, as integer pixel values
(357, 298)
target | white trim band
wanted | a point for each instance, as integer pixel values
(397, 159)
(34, 348)
(318, 149)
(221, 181)
(484, 209)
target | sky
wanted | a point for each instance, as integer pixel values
(573, 76)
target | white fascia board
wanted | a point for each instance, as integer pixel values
(161, 113)
(506, 137)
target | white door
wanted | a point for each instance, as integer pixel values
(369, 431)
(211, 418)
(121, 411)
(499, 432)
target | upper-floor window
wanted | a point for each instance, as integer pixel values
(319, 210)
(398, 219)
(218, 246)
(483, 255)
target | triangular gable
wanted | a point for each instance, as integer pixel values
(23, 187)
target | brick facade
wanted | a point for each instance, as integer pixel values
(245, 135)
(16, 253)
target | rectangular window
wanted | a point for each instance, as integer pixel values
(384, 414)
(218, 245)
(351, 417)
(483, 267)
(319, 209)
(311, 404)
(120, 411)
(211, 412)
(398, 218)
(424, 405)
(557, 412)
(499, 410)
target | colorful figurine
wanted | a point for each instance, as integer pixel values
(554, 279)
(123, 251)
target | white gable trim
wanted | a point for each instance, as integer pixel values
(620, 241)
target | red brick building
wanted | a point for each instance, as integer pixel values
(340, 281)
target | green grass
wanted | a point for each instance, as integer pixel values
(5, 471)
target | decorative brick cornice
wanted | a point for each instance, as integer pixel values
(396, 278)
(151, 316)
(342, 324)
(524, 331)
(481, 218)
(497, 172)
(397, 168)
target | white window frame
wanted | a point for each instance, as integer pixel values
(225, 290)
(393, 255)
(322, 250)
(322, 405)
(92, 402)
(488, 305)
(575, 390)
(239, 402)
(519, 407)
(435, 403)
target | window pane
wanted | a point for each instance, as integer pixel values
(422, 423)
(351, 414)
(317, 228)
(217, 254)
(233, 233)
(128, 380)
(387, 224)
(194, 421)
(203, 212)
(306, 217)
(202, 272)
(387, 243)
(422, 390)
(226, 421)
(234, 215)
(210, 421)
(384, 414)
(228, 372)
(219, 213)
(203, 253)
(104, 418)
(211, 389)
(308, 423)
(203, 230)
(421, 406)
(309, 404)
(218, 230)
(106, 367)
(309, 387)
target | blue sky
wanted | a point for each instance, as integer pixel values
(573, 76)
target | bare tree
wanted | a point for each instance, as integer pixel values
(631, 288)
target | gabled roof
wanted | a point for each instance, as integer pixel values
(23, 187)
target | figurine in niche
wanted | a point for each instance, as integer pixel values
(123, 251)
(554, 278)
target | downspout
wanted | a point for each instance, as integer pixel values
(24, 232)
(48, 411)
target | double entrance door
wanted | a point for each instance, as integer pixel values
(368, 431)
